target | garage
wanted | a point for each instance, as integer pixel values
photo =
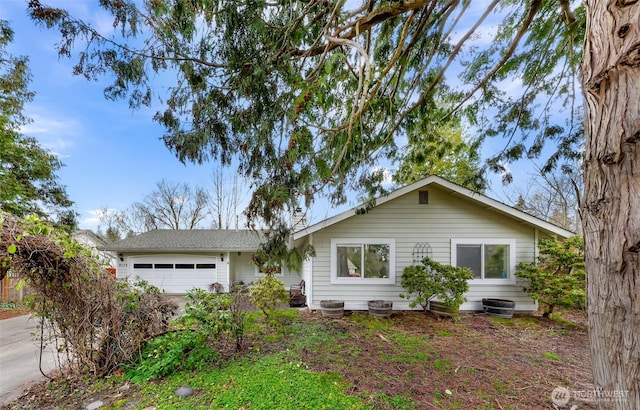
(175, 273)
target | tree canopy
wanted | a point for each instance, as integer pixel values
(446, 154)
(310, 98)
(27, 170)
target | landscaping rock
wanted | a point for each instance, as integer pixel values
(184, 391)
(95, 405)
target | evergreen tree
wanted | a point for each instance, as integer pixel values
(27, 171)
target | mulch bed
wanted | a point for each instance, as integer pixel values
(476, 362)
(19, 311)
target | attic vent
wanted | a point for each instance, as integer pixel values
(421, 251)
(423, 197)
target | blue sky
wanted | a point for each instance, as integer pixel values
(113, 156)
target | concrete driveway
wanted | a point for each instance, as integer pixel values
(19, 356)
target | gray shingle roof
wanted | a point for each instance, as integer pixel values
(190, 240)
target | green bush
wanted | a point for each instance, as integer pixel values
(208, 311)
(435, 280)
(267, 293)
(558, 278)
(166, 354)
(208, 316)
(218, 314)
(8, 305)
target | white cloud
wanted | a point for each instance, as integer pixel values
(103, 22)
(55, 133)
(92, 220)
(511, 86)
(388, 175)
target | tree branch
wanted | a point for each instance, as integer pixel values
(363, 25)
(533, 9)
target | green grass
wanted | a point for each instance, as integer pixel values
(443, 365)
(374, 324)
(557, 317)
(290, 361)
(408, 349)
(268, 383)
(277, 380)
(395, 402)
(551, 355)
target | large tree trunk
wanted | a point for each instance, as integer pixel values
(611, 204)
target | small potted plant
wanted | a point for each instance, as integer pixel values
(436, 287)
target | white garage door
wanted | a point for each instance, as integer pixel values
(176, 273)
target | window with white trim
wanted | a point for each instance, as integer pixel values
(490, 260)
(362, 260)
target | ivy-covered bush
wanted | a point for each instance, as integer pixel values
(95, 323)
(558, 278)
(433, 280)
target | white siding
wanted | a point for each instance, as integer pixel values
(446, 216)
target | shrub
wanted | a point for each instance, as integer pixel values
(558, 278)
(435, 280)
(180, 350)
(419, 289)
(267, 293)
(216, 314)
(208, 316)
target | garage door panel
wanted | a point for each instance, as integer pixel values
(188, 272)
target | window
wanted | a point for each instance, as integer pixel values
(362, 261)
(142, 266)
(163, 266)
(490, 260)
(184, 265)
(205, 265)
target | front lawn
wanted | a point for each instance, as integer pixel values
(411, 361)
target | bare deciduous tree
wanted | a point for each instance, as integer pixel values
(171, 206)
(552, 196)
(226, 198)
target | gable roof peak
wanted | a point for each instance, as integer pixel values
(448, 185)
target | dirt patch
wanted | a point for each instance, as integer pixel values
(476, 362)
